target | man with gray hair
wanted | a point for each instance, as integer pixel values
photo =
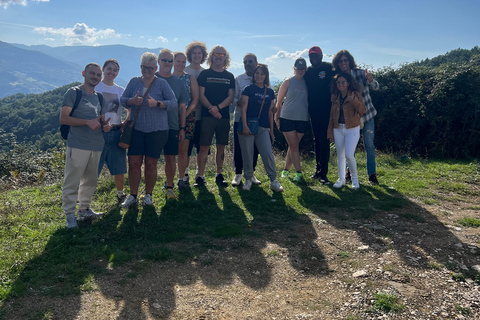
(241, 82)
(81, 110)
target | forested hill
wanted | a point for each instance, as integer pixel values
(429, 108)
(33, 118)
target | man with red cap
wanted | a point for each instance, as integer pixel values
(318, 78)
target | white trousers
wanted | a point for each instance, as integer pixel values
(80, 178)
(346, 141)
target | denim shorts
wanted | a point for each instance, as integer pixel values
(293, 125)
(112, 155)
(171, 147)
(148, 144)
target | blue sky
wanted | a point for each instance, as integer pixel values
(377, 33)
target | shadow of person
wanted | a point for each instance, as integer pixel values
(417, 236)
(275, 222)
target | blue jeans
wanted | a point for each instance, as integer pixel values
(368, 133)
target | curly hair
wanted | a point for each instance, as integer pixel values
(193, 45)
(338, 55)
(352, 84)
(227, 56)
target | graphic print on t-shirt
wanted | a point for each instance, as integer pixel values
(111, 103)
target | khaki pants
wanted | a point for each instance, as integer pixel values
(80, 178)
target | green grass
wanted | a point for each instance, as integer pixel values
(469, 222)
(39, 256)
(387, 302)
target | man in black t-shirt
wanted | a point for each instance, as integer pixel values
(318, 78)
(217, 90)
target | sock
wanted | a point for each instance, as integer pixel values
(120, 193)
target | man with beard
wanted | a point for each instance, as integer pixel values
(217, 90)
(318, 78)
(241, 82)
(84, 145)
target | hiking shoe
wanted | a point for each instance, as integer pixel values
(255, 180)
(324, 180)
(284, 174)
(147, 200)
(247, 185)
(220, 180)
(355, 184)
(373, 178)
(340, 183)
(348, 176)
(317, 175)
(275, 186)
(298, 177)
(199, 182)
(237, 180)
(129, 202)
(182, 184)
(170, 194)
(88, 214)
(71, 221)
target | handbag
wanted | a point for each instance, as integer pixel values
(126, 136)
(252, 123)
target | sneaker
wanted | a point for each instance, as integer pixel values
(88, 214)
(298, 177)
(355, 184)
(284, 174)
(340, 183)
(129, 202)
(373, 178)
(71, 221)
(348, 177)
(247, 185)
(275, 186)
(171, 195)
(316, 175)
(324, 180)
(199, 182)
(255, 180)
(182, 184)
(147, 200)
(121, 196)
(237, 180)
(220, 180)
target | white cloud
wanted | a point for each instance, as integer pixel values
(162, 39)
(175, 39)
(79, 34)
(282, 54)
(6, 3)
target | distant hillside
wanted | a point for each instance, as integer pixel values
(455, 56)
(128, 57)
(29, 71)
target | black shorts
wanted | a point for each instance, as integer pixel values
(147, 144)
(171, 146)
(219, 127)
(293, 125)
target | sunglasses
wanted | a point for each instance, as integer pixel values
(216, 54)
(248, 61)
(167, 60)
(343, 60)
(341, 82)
(145, 68)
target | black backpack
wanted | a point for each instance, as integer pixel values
(64, 128)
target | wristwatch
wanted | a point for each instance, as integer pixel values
(159, 103)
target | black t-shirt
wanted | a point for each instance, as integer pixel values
(318, 84)
(217, 85)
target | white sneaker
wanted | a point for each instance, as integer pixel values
(340, 183)
(355, 184)
(275, 186)
(247, 185)
(71, 221)
(129, 202)
(255, 180)
(88, 214)
(237, 180)
(147, 201)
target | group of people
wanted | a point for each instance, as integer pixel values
(177, 107)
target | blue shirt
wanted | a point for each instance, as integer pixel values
(255, 97)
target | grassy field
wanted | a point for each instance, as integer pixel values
(39, 256)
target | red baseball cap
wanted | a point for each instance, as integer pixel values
(315, 49)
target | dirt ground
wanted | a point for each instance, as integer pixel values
(320, 268)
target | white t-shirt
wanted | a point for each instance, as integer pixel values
(111, 105)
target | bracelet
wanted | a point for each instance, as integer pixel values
(183, 128)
